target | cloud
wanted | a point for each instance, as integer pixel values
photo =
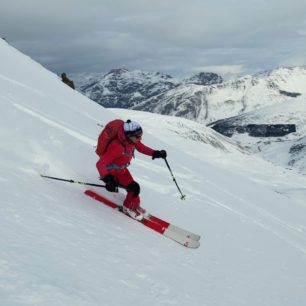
(221, 69)
(173, 36)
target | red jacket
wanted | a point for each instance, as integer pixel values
(119, 154)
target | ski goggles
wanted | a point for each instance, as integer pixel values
(137, 134)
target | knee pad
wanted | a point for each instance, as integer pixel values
(134, 187)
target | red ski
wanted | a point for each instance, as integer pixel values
(183, 237)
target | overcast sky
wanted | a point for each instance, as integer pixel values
(178, 37)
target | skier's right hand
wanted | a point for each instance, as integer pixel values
(159, 154)
(110, 183)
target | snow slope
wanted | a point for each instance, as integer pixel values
(58, 247)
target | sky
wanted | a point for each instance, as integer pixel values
(178, 37)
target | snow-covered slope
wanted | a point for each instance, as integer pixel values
(59, 248)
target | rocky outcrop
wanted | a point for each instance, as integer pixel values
(255, 130)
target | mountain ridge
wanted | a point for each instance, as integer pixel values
(204, 98)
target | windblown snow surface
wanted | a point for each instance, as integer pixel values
(59, 247)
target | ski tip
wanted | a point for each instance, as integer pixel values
(194, 237)
(192, 244)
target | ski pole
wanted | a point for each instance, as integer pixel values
(183, 197)
(72, 181)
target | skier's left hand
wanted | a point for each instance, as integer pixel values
(159, 154)
(111, 184)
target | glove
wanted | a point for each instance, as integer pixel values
(159, 154)
(110, 183)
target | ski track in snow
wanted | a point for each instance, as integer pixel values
(286, 231)
(291, 234)
(265, 220)
(14, 82)
(52, 123)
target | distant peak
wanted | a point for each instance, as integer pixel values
(204, 78)
(118, 71)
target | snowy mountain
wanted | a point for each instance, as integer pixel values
(204, 78)
(122, 88)
(204, 98)
(207, 104)
(59, 247)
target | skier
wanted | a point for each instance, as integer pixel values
(113, 163)
(67, 81)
